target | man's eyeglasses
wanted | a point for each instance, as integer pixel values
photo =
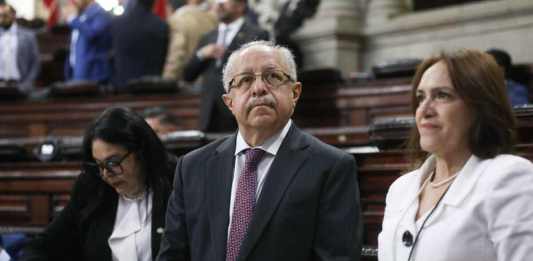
(113, 165)
(273, 78)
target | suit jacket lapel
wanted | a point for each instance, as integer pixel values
(236, 41)
(103, 213)
(291, 155)
(158, 221)
(213, 36)
(240, 38)
(461, 187)
(20, 48)
(219, 179)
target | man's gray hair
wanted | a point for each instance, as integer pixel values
(285, 54)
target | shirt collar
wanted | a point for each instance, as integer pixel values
(12, 30)
(271, 145)
(233, 26)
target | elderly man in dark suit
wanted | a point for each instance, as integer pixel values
(270, 191)
(212, 52)
(19, 53)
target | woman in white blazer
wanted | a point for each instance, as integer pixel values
(468, 199)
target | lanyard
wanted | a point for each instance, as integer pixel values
(424, 223)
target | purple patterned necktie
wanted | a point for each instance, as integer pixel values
(244, 204)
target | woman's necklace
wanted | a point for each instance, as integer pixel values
(442, 182)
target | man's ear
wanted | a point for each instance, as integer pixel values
(296, 92)
(228, 100)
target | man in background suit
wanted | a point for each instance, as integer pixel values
(19, 54)
(90, 45)
(270, 191)
(140, 41)
(211, 54)
(187, 25)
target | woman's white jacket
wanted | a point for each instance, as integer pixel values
(486, 214)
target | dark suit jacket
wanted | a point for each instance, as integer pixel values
(214, 116)
(28, 62)
(308, 208)
(140, 41)
(81, 230)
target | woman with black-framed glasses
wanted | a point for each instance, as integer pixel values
(117, 206)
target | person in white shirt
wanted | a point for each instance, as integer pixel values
(469, 198)
(19, 54)
(117, 206)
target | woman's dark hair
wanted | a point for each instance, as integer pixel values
(123, 127)
(480, 83)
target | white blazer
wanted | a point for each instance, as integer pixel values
(486, 215)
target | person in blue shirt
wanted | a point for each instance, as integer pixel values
(90, 46)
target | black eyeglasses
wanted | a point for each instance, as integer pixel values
(113, 165)
(272, 78)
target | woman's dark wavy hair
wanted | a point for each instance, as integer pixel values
(123, 127)
(480, 83)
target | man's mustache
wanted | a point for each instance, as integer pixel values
(263, 101)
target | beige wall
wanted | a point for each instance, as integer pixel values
(340, 35)
(332, 38)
